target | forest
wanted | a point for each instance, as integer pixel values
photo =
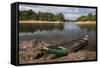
(89, 17)
(47, 16)
(42, 16)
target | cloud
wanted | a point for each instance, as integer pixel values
(72, 16)
(69, 12)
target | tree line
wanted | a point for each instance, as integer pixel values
(44, 16)
(89, 17)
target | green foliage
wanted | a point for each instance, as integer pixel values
(31, 15)
(89, 17)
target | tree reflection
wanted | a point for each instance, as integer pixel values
(89, 27)
(43, 26)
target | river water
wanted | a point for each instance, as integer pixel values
(54, 33)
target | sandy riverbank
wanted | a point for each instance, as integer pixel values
(86, 22)
(29, 50)
(33, 21)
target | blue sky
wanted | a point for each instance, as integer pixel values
(70, 13)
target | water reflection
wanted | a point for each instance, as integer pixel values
(56, 32)
(43, 26)
(89, 27)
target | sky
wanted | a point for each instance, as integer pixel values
(71, 13)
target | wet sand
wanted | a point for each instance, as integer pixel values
(86, 22)
(33, 21)
(28, 51)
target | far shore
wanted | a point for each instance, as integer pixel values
(40, 22)
(86, 22)
(33, 21)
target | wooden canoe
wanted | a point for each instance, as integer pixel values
(67, 47)
(63, 48)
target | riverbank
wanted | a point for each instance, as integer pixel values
(29, 53)
(33, 21)
(86, 22)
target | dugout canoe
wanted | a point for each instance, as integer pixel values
(67, 47)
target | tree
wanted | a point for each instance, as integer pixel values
(89, 17)
(31, 15)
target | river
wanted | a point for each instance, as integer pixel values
(56, 33)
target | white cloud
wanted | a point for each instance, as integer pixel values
(72, 16)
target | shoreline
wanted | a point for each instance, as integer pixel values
(28, 50)
(85, 22)
(32, 22)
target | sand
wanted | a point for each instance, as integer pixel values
(86, 22)
(33, 21)
(28, 51)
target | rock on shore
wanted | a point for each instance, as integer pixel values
(29, 50)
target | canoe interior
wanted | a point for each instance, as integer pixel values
(73, 45)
